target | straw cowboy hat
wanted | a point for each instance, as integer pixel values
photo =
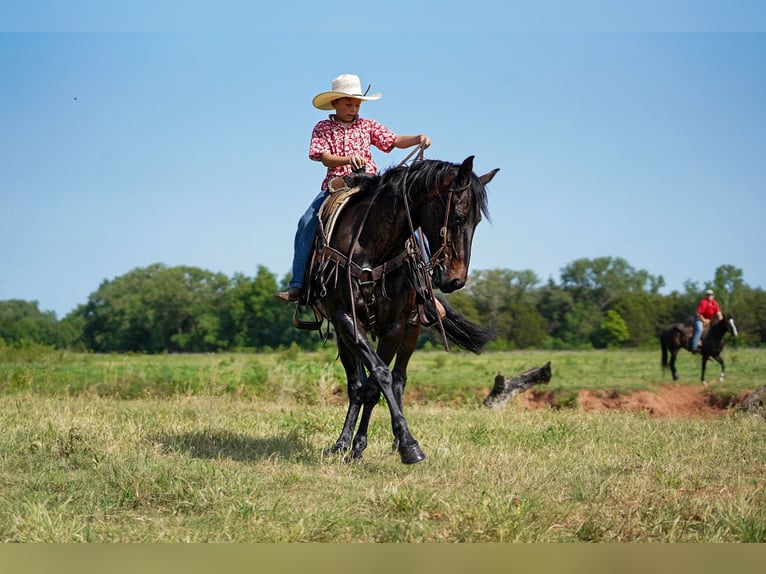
(344, 86)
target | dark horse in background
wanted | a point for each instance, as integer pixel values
(373, 280)
(679, 336)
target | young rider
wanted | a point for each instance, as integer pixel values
(342, 142)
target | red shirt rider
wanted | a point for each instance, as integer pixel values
(708, 308)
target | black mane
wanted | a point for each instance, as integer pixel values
(424, 174)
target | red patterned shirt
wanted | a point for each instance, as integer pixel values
(708, 308)
(356, 139)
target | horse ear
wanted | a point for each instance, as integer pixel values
(464, 173)
(487, 177)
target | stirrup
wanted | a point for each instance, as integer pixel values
(298, 323)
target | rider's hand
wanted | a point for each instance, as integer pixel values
(356, 162)
(425, 141)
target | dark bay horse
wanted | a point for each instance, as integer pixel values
(373, 280)
(678, 336)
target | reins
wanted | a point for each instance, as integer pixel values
(423, 267)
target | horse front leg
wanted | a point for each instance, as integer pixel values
(399, 372)
(704, 365)
(719, 360)
(409, 450)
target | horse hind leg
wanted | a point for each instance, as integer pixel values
(672, 364)
(354, 377)
(343, 443)
(370, 400)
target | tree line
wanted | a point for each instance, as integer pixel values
(596, 303)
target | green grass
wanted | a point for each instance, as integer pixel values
(215, 469)
(456, 378)
(229, 448)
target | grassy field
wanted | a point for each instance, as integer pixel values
(229, 448)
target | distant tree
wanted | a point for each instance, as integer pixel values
(645, 314)
(604, 279)
(554, 303)
(749, 312)
(601, 302)
(71, 329)
(23, 321)
(507, 299)
(528, 327)
(253, 318)
(155, 309)
(727, 284)
(612, 332)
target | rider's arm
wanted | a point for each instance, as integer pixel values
(409, 141)
(332, 160)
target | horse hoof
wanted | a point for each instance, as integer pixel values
(411, 454)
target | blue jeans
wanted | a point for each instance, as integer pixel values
(304, 239)
(697, 333)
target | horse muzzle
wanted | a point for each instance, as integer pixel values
(452, 285)
(447, 283)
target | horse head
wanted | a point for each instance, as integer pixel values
(730, 326)
(449, 224)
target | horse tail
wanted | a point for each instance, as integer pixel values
(464, 333)
(664, 350)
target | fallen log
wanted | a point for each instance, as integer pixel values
(506, 388)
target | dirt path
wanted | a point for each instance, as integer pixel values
(670, 401)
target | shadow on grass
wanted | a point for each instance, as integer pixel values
(224, 444)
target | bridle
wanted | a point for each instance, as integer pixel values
(424, 267)
(447, 249)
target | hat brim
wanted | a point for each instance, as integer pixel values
(324, 100)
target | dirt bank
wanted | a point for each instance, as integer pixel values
(669, 401)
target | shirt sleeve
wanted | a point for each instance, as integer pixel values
(320, 140)
(381, 137)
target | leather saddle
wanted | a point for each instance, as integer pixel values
(687, 330)
(341, 189)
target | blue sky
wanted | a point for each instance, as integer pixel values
(187, 144)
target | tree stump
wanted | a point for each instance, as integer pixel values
(506, 388)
